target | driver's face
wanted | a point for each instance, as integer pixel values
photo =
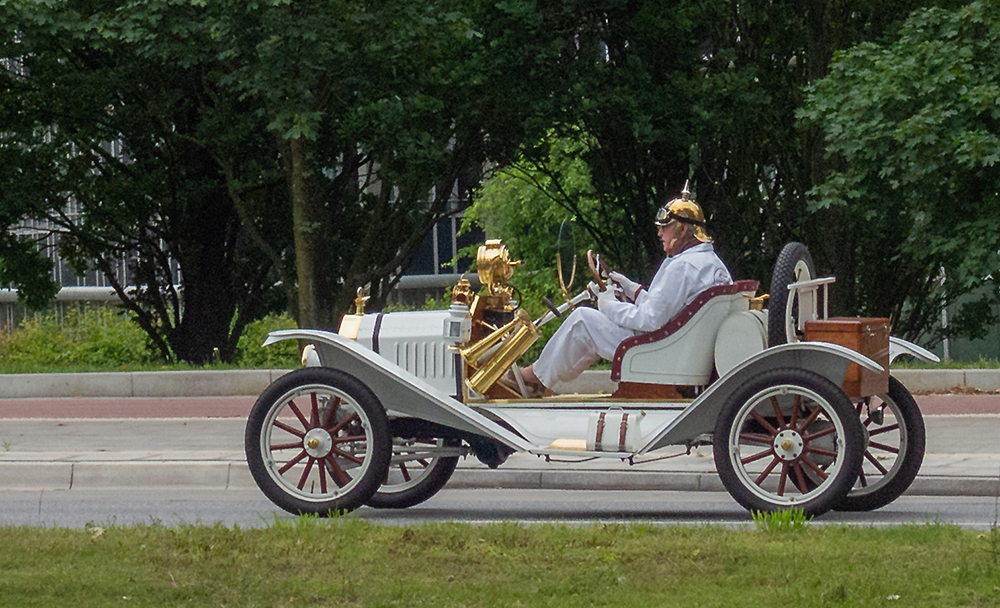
(667, 234)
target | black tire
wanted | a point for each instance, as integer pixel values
(794, 264)
(411, 485)
(877, 485)
(326, 459)
(758, 431)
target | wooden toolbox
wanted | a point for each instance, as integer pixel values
(870, 337)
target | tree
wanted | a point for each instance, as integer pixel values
(379, 114)
(527, 204)
(913, 126)
(657, 93)
(130, 152)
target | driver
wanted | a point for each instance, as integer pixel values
(626, 308)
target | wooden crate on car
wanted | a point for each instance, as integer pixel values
(868, 336)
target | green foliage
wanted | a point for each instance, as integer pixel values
(282, 355)
(97, 337)
(182, 190)
(106, 339)
(379, 110)
(526, 205)
(785, 520)
(23, 266)
(913, 126)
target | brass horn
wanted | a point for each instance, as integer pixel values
(522, 334)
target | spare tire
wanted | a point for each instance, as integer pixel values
(794, 264)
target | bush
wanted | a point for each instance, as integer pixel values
(99, 337)
(283, 355)
(106, 339)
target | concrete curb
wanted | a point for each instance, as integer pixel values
(212, 383)
(195, 383)
(31, 476)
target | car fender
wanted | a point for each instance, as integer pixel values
(825, 359)
(899, 346)
(398, 390)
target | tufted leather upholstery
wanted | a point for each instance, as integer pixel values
(672, 326)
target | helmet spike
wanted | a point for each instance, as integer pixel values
(686, 193)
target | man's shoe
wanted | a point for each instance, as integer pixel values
(528, 390)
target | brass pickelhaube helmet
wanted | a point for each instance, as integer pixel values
(686, 211)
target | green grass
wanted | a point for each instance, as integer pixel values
(907, 363)
(348, 562)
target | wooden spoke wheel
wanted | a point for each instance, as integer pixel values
(419, 469)
(895, 439)
(781, 430)
(317, 441)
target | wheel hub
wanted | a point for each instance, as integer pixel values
(788, 445)
(317, 443)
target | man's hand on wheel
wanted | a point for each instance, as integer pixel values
(608, 295)
(629, 288)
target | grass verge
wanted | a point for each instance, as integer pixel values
(309, 562)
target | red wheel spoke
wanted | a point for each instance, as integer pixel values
(756, 438)
(818, 434)
(402, 469)
(347, 439)
(424, 463)
(821, 451)
(882, 446)
(783, 478)
(800, 477)
(337, 474)
(810, 419)
(795, 411)
(286, 446)
(886, 429)
(758, 456)
(767, 471)
(298, 414)
(305, 473)
(862, 479)
(812, 465)
(331, 413)
(313, 410)
(343, 423)
(878, 465)
(777, 412)
(322, 477)
(347, 456)
(294, 431)
(764, 423)
(294, 461)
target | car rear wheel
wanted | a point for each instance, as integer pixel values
(777, 431)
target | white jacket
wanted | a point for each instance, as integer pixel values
(677, 283)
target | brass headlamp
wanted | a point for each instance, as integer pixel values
(495, 269)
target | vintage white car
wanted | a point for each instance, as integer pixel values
(800, 409)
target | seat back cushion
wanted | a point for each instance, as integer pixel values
(682, 351)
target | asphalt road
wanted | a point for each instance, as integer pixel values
(248, 508)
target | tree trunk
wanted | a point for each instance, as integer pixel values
(314, 269)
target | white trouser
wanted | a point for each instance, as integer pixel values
(586, 336)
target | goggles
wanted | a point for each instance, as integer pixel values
(664, 216)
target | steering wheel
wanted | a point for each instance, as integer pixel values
(598, 269)
(551, 306)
